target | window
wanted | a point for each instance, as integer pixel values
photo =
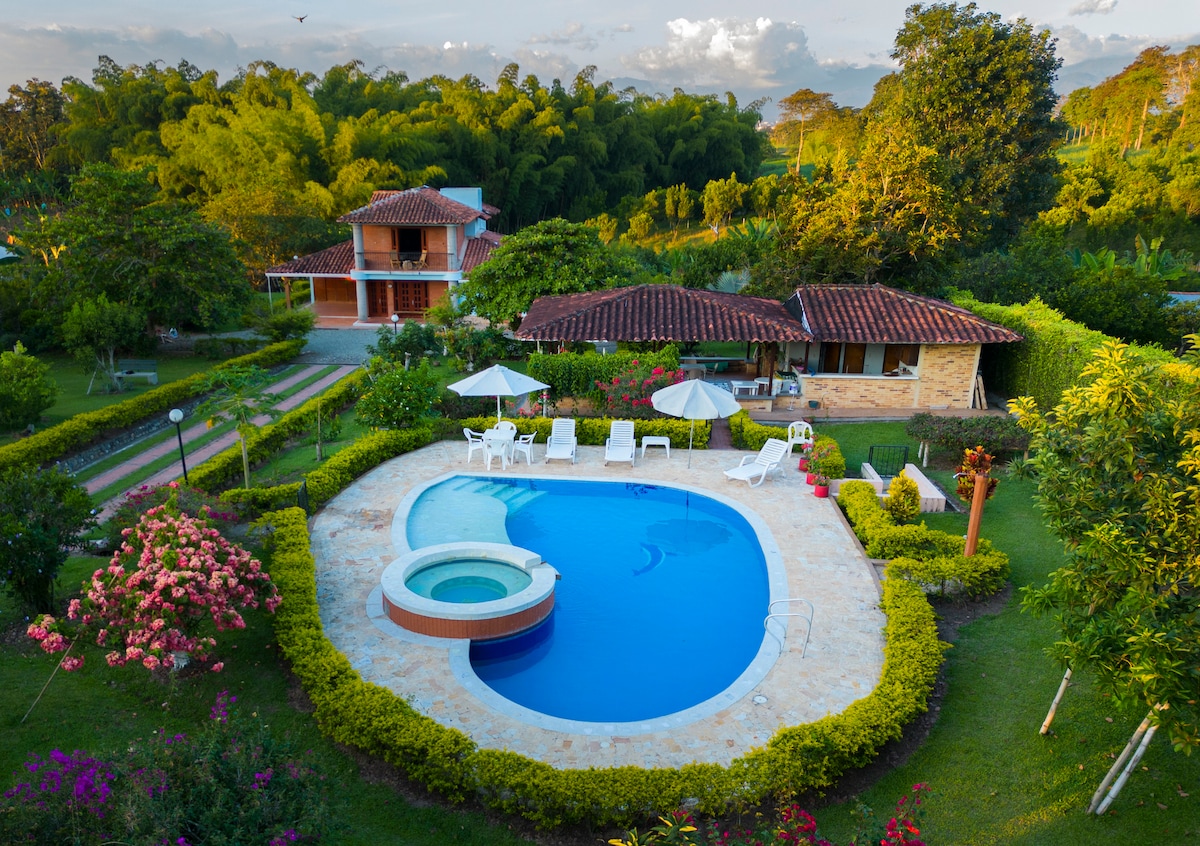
(896, 354)
(843, 358)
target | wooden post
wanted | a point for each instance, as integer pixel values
(977, 500)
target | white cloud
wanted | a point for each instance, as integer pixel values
(727, 52)
(1093, 7)
(1074, 45)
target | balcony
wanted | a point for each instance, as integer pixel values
(411, 262)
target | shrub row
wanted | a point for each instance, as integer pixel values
(746, 434)
(932, 559)
(336, 473)
(575, 375)
(798, 759)
(84, 429)
(997, 435)
(592, 431)
(267, 440)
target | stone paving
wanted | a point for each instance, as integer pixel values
(361, 531)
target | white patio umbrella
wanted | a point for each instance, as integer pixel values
(694, 400)
(497, 381)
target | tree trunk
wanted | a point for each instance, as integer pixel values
(1141, 739)
(1062, 688)
(977, 499)
(1142, 128)
(245, 461)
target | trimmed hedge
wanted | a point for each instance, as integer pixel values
(1055, 350)
(932, 559)
(576, 374)
(997, 435)
(593, 431)
(798, 759)
(82, 430)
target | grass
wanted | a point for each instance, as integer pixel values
(995, 779)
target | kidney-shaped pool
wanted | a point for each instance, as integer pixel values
(660, 604)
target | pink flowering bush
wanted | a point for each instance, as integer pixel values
(172, 577)
(628, 395)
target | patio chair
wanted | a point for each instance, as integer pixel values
(621, 443)
(494, 447)
(524, 443)
(760, 465)
(507, 426)
(799, 433)
(562, 441)
(474, 442)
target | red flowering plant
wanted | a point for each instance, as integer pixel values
(975, 462)
(901, 829)
(628, 395)
(171, 578)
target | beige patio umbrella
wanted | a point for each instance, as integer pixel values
(694, 400)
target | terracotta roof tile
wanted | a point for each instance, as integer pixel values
(479, 250)
(659, 313)
(422, 206)
(881, 315)
(337, 260)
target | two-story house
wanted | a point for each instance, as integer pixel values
(409, 249)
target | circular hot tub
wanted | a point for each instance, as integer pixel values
(469, 590)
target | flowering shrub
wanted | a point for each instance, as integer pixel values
(171, 576)
(628, 395)
(134, 504)
(975, 462)
(230, 783)
(794, 825)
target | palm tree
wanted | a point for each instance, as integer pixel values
(237, 393)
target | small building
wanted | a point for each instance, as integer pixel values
(845, 346)
(408, 250)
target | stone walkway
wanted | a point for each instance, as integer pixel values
(361, 531)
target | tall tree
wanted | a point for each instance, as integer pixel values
(979, 92)
(799, 111)
(28, 126)
(1118, 468)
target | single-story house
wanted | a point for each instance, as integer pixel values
(849, 346)
(409, 249)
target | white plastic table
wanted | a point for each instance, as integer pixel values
(656, 440)
(744, 388)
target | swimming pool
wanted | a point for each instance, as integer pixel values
(661, 600)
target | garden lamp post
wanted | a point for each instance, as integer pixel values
(176, 417)
(395, 323)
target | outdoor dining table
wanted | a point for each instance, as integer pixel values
(505, 437)
(741, 388)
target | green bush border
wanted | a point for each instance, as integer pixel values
(929, 558)
(82, 430)
(799, 759)
(576, 374)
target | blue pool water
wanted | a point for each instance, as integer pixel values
(660, 605)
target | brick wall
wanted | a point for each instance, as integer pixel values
(946, 377)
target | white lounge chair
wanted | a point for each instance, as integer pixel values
(523, 443)
(474, 442)
(621, 444)
(760, 465)
(562, 441)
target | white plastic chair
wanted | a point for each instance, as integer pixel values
(496, 446)
(562, 441)
(474, 442)
(524, 443)
(760, 465)
(799, 433)
(506, 426)
(621, 443)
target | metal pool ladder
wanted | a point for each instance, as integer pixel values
(808, 618)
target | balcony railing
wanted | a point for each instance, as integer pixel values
(406, 262)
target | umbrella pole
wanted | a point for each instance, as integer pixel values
(497, 408)
(691, 433)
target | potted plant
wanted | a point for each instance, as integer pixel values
(805, 457)
(820, 485)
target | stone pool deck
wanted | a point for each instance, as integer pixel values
(352, 541)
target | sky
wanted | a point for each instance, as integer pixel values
(754, 48)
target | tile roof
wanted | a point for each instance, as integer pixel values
(479, 250)
(881, 315)
(659, 313)
(422, 206)
(337, 260)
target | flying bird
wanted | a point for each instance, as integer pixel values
(300, 17)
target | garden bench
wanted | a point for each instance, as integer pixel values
(138, 368)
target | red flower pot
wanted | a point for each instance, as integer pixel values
(810, 478)
(821, 491)
(803, 464)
